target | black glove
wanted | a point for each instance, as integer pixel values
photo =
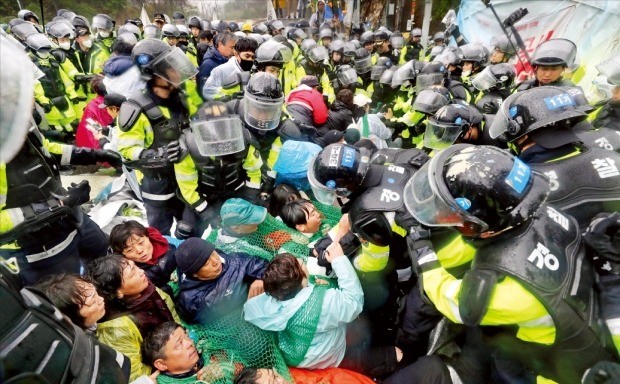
(604, 372)
(490, 108)
(110, 157)
(603, 237)
(77, 194)
(173, 151)
(453, 30)
(78, 99)
(82, 79)
(60, 102)
(320, 247)
(46, 107)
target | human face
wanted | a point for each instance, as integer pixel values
(615, 93)
(370, 47)
(321, 6)
(138, 249)
(227, 49)
(549, 74)
(497, 56)
(273, 70)
(113, 111)
(195, 31)
(313, 220)
(336, 57)
(173, 41)
(181, 354)
(134, 281)
(246, 56)
(269, 376)
(212, 269)
(93, 308)
(416, 39)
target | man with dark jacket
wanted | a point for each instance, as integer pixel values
(217, 55)
(340, 112)
(213, 284)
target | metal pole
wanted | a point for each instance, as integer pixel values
(426, 23)
(42, 14)
(19, 5)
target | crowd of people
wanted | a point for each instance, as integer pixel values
(314, 207)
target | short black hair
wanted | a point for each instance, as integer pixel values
(106, 273)
(282, 194)
(295, 212)
(245, 44)
(206, 34)
(122, 47)
(123, 232)
(65, 293)
(154, 343)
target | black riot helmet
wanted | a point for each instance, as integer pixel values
(296, 33)
(555, 52)
(58, 30)
(611, 69)
(317, 54)
(367, 38)
(273, 53)
(475, 53)
(501, 43)
(306, 45)
(387, 76)
(22, 29)
(194, 21)
(262, 102)
(26, 14)
(82, 25)
(416, 32)
(338, 170)
(430, 99)
(541, 107)
(478, 190)
(151, 31)
(380, 66)
(363, 61)
(233, 26)
(336, 46)
(380, 37)
(433, 73)
(439, 37)
(169, 30)
(346, 75)
(156, 58)
(495, 77)
(449, 123)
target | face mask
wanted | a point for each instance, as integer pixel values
(104, 34)
(246, 65)
(65, 45)
(466, 73)
(87, 43)
(43, 54)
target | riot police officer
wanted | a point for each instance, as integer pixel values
(549, 61)
(42, 225)
(151, 122)
(413, 48)
(494, 84)
(538, 123)
(216, 164)
(527, 258)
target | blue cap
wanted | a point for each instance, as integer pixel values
(241, 212)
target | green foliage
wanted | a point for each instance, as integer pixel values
(441, 7)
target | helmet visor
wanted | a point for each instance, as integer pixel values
(376, 72)
(611, 69)
(322, 193)
(174, 67)
(484, 80)
(317, 54)
(363, 65)
(397, 42)
(262, 114)
(102, 23)
(424, 80)
(348, 76)
(430, 205)
(218, 137)
(38, 41)
(440, 135)
(501, 122)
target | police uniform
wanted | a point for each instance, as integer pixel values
(58, 236)
(147, 122)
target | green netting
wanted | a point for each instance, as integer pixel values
(295, 340)
(228, 345)
(273, 237)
